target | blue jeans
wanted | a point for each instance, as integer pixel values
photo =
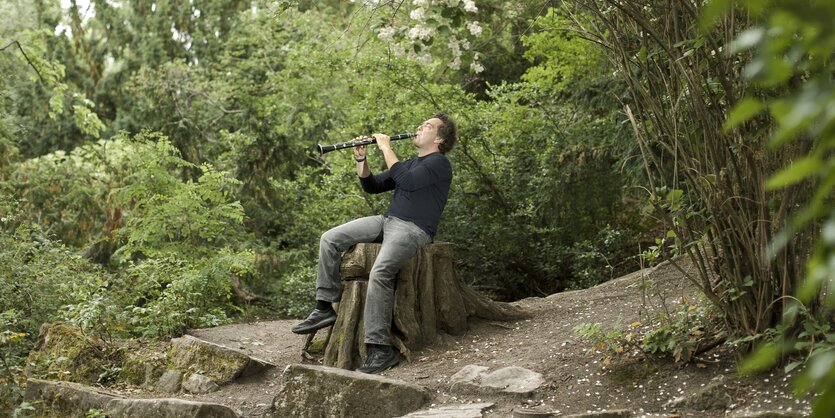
(401, 240)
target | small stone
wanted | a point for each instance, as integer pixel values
(199, 384)
(714, 396)
(169, 382)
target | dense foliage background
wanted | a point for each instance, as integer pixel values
(158, 168)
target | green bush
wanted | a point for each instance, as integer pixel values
(680, 334)
(296, 292)
(174, 243)
(37, 274)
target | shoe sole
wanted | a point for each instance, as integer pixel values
(315, 327)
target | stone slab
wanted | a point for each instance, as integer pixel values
(512, 380)
(319, 391)
(166, 408)
(219, 363)
(467, 410)
(613, 413)
(66, 399)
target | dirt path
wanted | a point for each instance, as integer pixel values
(546, 343)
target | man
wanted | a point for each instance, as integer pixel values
(421, 186)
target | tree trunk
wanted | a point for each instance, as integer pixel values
(429, 299)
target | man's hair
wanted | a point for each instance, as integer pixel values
(448, 131)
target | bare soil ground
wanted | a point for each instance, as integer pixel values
(546, 343)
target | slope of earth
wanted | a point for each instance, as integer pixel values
(576, 378)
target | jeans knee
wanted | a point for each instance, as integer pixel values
(327, 239)
(379, 277)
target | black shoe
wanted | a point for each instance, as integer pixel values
(380, 359)
(317, 319)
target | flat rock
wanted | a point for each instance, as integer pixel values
(468, 410)
(166, 408)
(713, 396)
(319, 391)
(508, 380)
(470, 373)
(533, 413)
(767, 414)
(218, 363)
(613, 413)
(65, 399)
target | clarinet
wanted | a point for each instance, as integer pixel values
(350, 144)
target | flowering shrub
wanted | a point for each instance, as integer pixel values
(415, 37)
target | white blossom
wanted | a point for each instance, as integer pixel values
(420, 32)
(455, 64)
(417, 14)
(386, 34)
(475, 65)
(454, 47)
(398, 49)
(453, 3)
(420, 3)
(425, 59)
(475, 28)
(469, 5)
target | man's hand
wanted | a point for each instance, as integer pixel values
(384, 144)
(383, 141)
(359, 151)
(359, 156)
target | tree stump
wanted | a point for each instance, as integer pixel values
(429, 299)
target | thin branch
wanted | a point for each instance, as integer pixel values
(15, 42)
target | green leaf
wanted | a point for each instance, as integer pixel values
(795, 114)
(763, 358)
(713, 11)
(791, 366)
(675, 195)
(642, 53)
(824, 405)
(795, 173)
(450, 12)
(821, 364)
(743, 111)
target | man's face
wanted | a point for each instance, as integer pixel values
(427, 133)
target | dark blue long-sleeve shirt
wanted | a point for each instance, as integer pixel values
(421, 187)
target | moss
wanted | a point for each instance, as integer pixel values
(317, 346)
(133, 370)
(63, 352)
(144, 362)
(191, 356)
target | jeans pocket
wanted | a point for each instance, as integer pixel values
(420, 236)
(416, 235)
